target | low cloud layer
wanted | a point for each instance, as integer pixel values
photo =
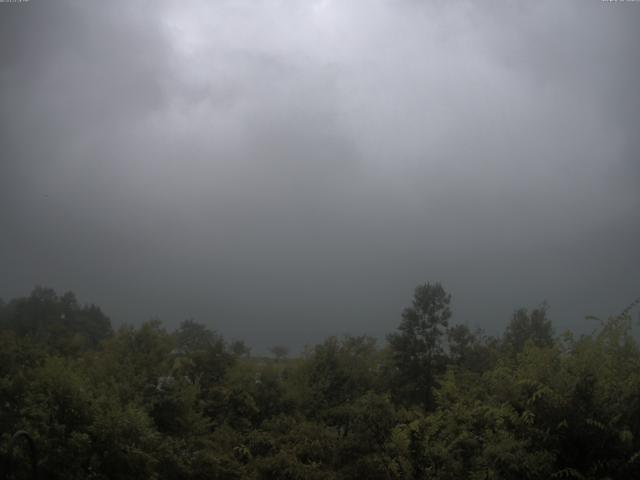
(288, 170)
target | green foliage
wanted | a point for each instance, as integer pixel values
(123, 439)
(470, 351)
(437, 402)
(337, 372)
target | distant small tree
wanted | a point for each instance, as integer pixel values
(209, 358)
(527, 326)
(417, 348)
(192, 336)
(279, 351)
(240, 349)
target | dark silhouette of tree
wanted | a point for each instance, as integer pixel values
(527, 326)
(59, 322)
(417, 349)
(208, 358)
(280, 352)
(240, 349)
(192, 336)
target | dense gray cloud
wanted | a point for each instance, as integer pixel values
(287, 170)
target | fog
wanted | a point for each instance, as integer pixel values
(282, 171)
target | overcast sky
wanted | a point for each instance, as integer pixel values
(286, 170)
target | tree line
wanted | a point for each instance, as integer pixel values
(435, 401)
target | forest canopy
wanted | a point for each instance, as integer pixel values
(435, 400)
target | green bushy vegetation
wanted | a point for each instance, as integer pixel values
(435, 401)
